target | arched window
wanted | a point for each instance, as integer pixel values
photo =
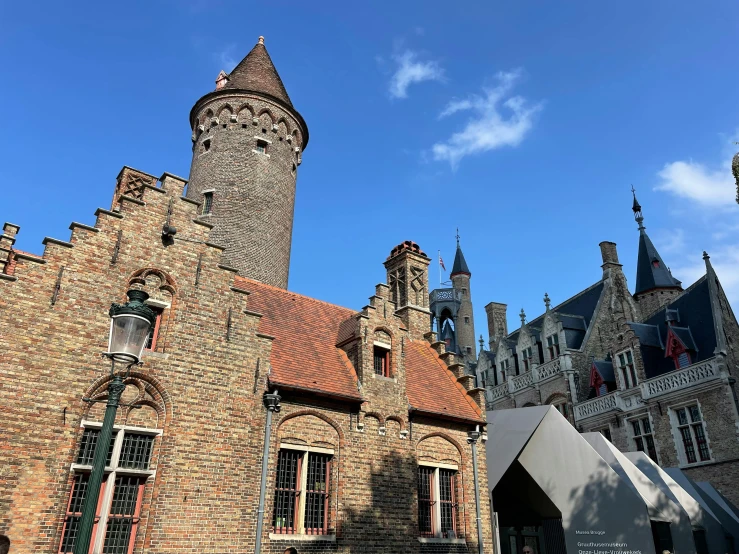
(128, 469)
(382, 349)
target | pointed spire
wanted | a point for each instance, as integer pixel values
(636, 208)
(547, 301)
(460, 265)
(714, 292)
(257, 73)
(482, 343)
(651, 271)
(522, 315)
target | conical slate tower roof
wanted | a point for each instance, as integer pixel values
(460, 265)
(651, 271)
(257, 73)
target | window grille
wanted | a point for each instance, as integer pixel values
(382, 361)
(74, 512)
(316, 494)
(643, 437)
(425, 501)
(207, 203)
(116, 523)
(692, 432)
(447, 503)
(124, 514)
(286, 491)
(136, 451)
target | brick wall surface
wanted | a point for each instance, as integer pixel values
(253, 192)
(203, 388)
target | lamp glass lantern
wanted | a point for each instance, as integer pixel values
(129, 328)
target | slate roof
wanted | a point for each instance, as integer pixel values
(257, 73)
(651, 271)
(575, 314)
(460, 265)
(605, 368)
(305, 356)
(696, 329)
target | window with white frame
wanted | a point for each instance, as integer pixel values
(643, 438)
(553, 346)
(437, 501)
(526, 356)
(302, 490)
(504, 369)
(127, 470)
(626, 369)
(692, 432)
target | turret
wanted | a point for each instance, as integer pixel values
(465, 324)
(655, 285)
(248, 141)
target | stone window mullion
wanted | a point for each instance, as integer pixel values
(303, 485)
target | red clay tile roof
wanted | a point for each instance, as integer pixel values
(433, 388)
(306, 331)
(305, 356)
(256, 72)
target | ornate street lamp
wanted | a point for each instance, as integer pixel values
(129, 329)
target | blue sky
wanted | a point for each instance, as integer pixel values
(522, 123)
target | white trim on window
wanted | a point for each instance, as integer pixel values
(625, 360)
(677, 437)
(644, 434)
(303, 448)
(455, 467)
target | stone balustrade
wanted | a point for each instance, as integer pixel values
(681, 378)
(625, 400)
(525, 380)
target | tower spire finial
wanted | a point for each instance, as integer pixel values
(482, 343)
(457, 237)
(547, 301)
(522, 315)
(636, 208)
(261, 40)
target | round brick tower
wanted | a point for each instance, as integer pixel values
(248, 141)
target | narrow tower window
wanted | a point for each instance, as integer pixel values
(382, 361)
(207, 203)
(262, 146)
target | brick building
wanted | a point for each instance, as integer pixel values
(653, 371)
(372, 450)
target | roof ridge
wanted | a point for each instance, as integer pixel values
(295, 294)
(449, 374)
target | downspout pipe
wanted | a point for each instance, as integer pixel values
(472, 438)
(272, 403)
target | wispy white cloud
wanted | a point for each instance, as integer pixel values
(226, 58)
(671, 242)
(707, 220)
(499, 120)
(411, 70)
(695, 181)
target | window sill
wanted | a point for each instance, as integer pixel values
(383, 378)
(304, 538)
(696, 464)
(439, 540)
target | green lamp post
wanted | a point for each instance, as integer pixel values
(129, 329)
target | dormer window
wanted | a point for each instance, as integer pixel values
(626, 368)
(382, 361)
(553, 346)
(526, 356)
(655, 262)
(677, 351)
